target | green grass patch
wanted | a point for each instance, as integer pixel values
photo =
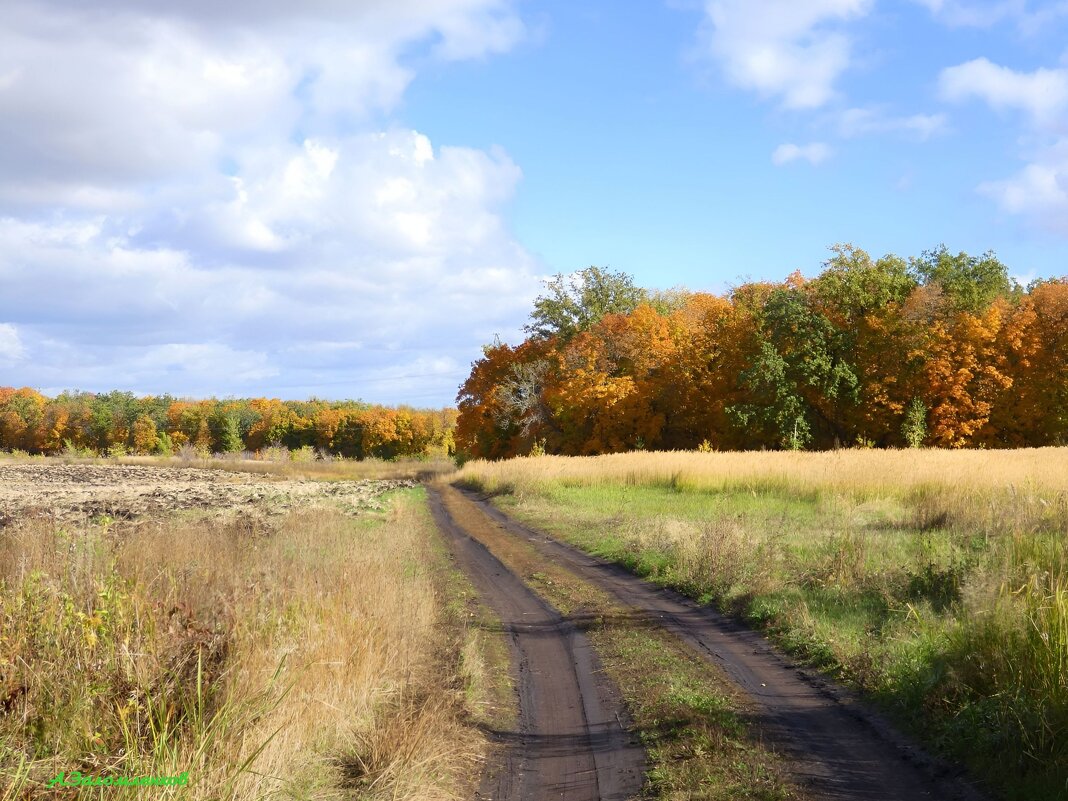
(950, 609)
(698, 740)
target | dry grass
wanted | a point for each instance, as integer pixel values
(1044, 469)
(304, 659)
(935, 580)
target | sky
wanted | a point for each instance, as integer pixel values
(348, 198)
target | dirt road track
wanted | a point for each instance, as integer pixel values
(570, 743)
(837, 749)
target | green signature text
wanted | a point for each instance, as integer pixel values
(76, 779)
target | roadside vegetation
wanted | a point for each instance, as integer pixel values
(313, 655)
(935, 581)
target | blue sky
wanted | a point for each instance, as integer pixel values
(346, 199)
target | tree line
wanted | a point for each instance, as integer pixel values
(940, 350)
(117, 423)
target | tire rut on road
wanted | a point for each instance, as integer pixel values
(837, 748)
(570, 743)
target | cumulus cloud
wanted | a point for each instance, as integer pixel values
(379, 238)
(1043, 94)
(1039, 191)
(11, 349)
(960, 13)
(207, 197)
(855, 122)
(793, 50)
(813, 153)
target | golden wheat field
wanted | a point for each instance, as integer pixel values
(1044, 469)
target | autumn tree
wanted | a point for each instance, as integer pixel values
(961, 369)
(108, 422)
(943, 349)
(1034, 345)
(608, 396)
(144, 438)
(21, 418)
(269, 422)
(502, 408)
(700, 380)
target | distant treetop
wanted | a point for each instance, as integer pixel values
(576, 302)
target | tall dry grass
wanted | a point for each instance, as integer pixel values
(1044, 469)
(301, 659)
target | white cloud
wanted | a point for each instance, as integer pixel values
(1043, 94)
(415, 274)
(960, 13)
(11, 348)
(814, 153)
(874, 120)
(97, 100)
(1039, 191)
(1034, 22)
(101, 106)
(793, 50)
(196, 196)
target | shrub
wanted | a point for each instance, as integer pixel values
(914, 429)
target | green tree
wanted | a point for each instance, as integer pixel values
(575, 302)
(852, 285)
(968, 283)
(801, 383)
(776, 411)
(225, 425)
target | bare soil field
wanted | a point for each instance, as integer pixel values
(76, 491)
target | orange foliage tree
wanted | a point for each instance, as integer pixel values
(942, 350)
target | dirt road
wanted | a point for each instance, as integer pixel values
(836, 748)
(571, 743)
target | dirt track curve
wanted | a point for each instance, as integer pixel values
(836, 748)
(571, 743)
